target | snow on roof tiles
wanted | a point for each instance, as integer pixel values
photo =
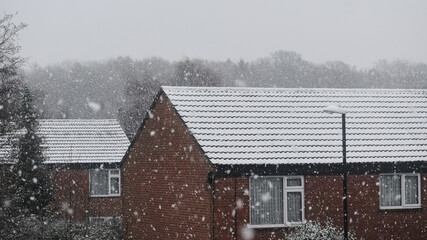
(273, 126)
(80, 141)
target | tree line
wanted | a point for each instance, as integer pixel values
(123, 87)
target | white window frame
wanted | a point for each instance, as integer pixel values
(286, 189)
(402, 191)
(110, 175)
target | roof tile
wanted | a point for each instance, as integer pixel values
(81, 141)
(274, 126)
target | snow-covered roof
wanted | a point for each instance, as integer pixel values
(80, 141)
(83, 141)
(289, 126)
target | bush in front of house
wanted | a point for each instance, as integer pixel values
(80, 231)
(316, 230)
(33, 227)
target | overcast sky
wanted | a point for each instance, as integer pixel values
(356, 32)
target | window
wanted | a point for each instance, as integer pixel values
(400, 191)
(276, 201)
(104, 182)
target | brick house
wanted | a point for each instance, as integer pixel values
(248, 163)
(83, 157)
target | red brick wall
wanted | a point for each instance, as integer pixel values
(164, 181)
(224, 208)
(73, 198)
(323, 199)
(371, 223)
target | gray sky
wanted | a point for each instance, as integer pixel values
(356, 32)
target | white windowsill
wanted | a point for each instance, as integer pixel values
(400, 207)
(104, 196)
(275, 225)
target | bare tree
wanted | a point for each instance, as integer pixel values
(11, 85)
(10, 61)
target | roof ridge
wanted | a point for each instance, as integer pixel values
(76, 120)
(295, 89)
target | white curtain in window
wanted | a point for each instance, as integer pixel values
(390, 190)
(411, 190)
(98, 182)
(114, 185)
(294, 206)
(266, 200)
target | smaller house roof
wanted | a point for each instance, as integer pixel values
(79, 141)
(288, 126)
(82, 140)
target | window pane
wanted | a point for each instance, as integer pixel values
(296, 182)
(98, 182)
(294, 209)
(267, 201)
(411, 190)
(115, 185)
(390, 188)
(114, 172)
